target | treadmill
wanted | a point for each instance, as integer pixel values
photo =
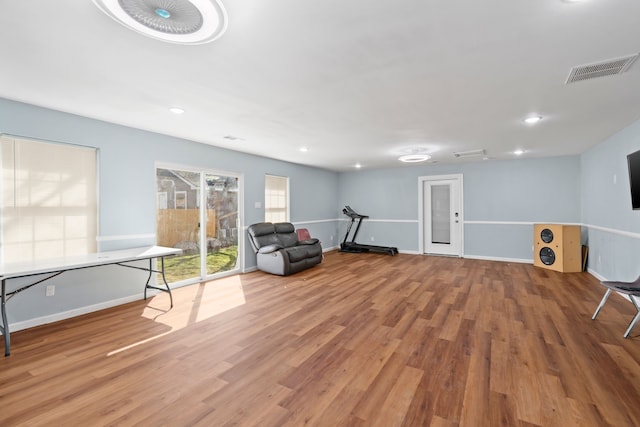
(352, 246)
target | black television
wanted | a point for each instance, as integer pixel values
(633, 160)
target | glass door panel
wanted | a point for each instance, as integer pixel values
(440, 214)
(178, 221)
(222, 223)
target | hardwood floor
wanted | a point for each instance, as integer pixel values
(360, 340)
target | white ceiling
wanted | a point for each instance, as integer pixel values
(354, 81)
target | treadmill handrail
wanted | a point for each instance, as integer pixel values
(352, 214)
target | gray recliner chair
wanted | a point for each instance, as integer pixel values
(278, 250)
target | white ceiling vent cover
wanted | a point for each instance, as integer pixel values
(470, 153)
(601, 69)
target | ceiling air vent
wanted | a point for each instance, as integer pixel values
(601, 69)
(470, 153)
(232, 138)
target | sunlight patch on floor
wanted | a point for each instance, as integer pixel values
(194, 304)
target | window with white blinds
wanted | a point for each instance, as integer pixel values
(276, 198)
(49, 199)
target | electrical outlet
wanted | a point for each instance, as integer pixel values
(51, 290)
(332, 238)
(372, 239)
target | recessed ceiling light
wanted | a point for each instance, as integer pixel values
(357, 166)
(304, 149)
(414, 158)
(176, 110)
(182, 22)
(533, 119)
(518, 152)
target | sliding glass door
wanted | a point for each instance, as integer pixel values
(222, 223)
(198, 212)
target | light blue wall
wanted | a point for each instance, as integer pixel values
(613, 226)
(502, 199)
(128, 158)
(496, 194)
(531, 190)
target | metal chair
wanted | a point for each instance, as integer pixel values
(628, 288)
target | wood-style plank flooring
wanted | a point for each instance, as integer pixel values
(360, 340)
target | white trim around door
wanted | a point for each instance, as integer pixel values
(452, 215)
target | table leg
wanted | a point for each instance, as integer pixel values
(146, 285)
(5, 324)
(164, 280)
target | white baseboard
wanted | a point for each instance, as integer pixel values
(409, 252)
(501, 259)
(596, 275)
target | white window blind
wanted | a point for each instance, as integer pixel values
(276, 198)
(49, 199)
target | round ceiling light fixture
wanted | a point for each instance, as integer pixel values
(173, 21)
(414, 158)
(416, 155)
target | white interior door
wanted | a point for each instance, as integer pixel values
(441, 215)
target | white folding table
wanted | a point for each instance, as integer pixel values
(51, 268)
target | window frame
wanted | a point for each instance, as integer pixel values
(269, 212)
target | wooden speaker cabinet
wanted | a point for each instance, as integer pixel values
(557, 247)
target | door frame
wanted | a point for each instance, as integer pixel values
(421, 214)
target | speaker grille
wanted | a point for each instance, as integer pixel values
(546, 235)
(547, 256)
